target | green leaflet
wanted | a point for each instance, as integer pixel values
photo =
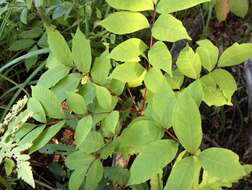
(161, 106)
(52, 76)
(21, 44)
(125, 22)
(52, 62)
(81, 52)
(76, 103)
(9, 165)
(169, 6)
(177, 79)
(94, 175)
(221, 163)
(195, 90)
(168, 28)
(76, 179)
(211, 183)
(67, 84)
(235, 54)
(88, 92)
(77, 159)
(117, 175)
(26, 128)
(36, 108)
(154, 80)
(218, 88)
(46, 136)
(103, 97)
(49, 101)
(59, 47)
(208, 53)
(101, 112)
(82, 130)
(73, 162)
(160, 57)
(92, 143)
(189, 63)
(155, 156)
(32, 136)
(239, 8)
(109, 124)
(183, 174)
(101, 68)
(128, 72)
(129, 50)
(187, 127)
(140, 132)
(116, 86)
(132, 5)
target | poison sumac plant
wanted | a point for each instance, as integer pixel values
(87, 94)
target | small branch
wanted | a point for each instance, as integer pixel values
(44, 185)
(133, 101)
(212, 141)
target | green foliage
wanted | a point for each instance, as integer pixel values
(168, 28)
(81, 52)
(147, 122)
(129, 50)
(132, 22)
(160, 57)
(189, 63)
(187, 129)
(169, 6)
(154, 157)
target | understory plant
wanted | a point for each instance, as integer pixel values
(134, 112)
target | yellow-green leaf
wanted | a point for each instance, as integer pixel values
(49, 101)
(101, 68)
(155, 156)
(177, 79)
(221, 163)
(76, 103)
(189, 63)
(103, 97)
(129, 50)
(52, 76)
(187, 126)
(183, 174)
(82, 130)
(160, 57)
(239, 8)
(46, 136)
(36, 108)
(235, 54)
(208, 53)
(169, 6)
(94, 175)
(125, 22)
(132, 5)
(59, 47)
(127, 72)
(81, 52)
(168, 28)
(218, 88)
(140, 132)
